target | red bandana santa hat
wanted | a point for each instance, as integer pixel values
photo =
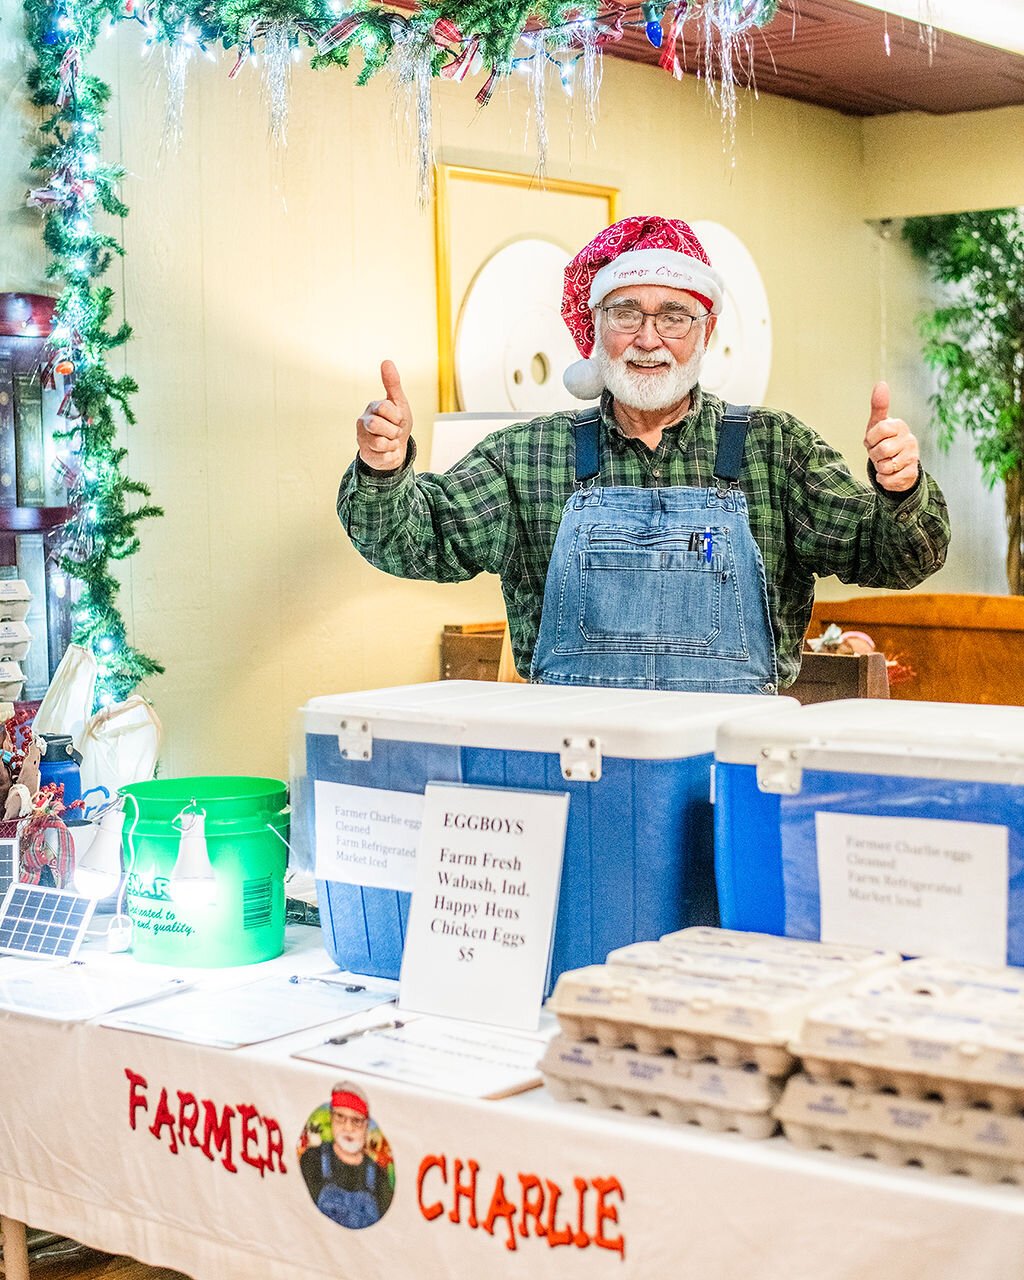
(349, 1097)
(641, 250)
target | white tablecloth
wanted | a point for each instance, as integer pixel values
(636, 1197)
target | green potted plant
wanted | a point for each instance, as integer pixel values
(975, 341)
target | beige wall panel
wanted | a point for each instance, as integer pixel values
(920, 164)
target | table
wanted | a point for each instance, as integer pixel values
(98, 1142)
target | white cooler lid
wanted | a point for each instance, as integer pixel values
(629, 723)
(873, 735)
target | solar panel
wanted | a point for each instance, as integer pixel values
(37, 921)
(8, 864)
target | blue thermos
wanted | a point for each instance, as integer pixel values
(59, 763)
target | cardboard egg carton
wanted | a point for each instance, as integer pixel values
(661, 1074)
(895, 1130)
(975, 984)
(928, 1027)
(15, 638)
(769, 947)
(723, 953)
(12, 680)
(732, 1021)
(661, 1084)
(15, 599)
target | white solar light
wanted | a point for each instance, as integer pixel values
(98, 873)
(192, 880)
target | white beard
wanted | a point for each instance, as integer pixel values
(349, 1142)
(643, 390)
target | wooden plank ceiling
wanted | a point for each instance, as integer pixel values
(859, 61)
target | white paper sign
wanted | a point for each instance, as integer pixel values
(918, 885)
(483, 910)
(365, 836)
(441, 1053)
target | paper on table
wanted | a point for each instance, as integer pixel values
(75, 992)
(263, 1010)
(442, 1053)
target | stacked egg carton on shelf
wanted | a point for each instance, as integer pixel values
(695, 1027)
(15, 599)
(925, 1065)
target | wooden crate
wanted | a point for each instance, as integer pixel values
(471, 651)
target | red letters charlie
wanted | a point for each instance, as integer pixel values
(528, 1206)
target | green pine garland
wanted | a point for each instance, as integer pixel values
(103, 527)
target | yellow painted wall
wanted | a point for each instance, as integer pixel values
(921, 164)
(266, 284)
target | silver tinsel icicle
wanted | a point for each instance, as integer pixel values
(177, 60)
(277, 76)
(411, 63)
(727, 28)
(592, 68)
(538, 68)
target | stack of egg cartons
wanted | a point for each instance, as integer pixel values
(924, 1065)
(15, 599)
(695, 1027)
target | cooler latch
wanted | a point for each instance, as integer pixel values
(780, 771)
(580, 759)
(355, 739)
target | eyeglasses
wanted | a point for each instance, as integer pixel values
(669, 324)
(345, 1120)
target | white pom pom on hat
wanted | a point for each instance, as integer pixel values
(584, 380)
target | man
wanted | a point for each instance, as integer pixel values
(346, 1183)
(658, 542)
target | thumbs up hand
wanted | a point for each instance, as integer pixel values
(382, 429)
(891, 445)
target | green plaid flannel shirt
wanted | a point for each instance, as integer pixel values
(498, 510)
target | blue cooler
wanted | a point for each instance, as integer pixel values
(889, 823)
(637, 766)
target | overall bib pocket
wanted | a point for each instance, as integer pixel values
(645, 591)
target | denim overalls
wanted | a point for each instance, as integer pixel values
(354, 1209)
(657, 588)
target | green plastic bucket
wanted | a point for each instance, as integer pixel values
(246, 831)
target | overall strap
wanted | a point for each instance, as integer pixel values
(732, 436)
(587, 434)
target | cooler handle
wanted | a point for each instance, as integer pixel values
(780, 768)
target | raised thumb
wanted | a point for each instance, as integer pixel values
(879, 403)
(392, 383)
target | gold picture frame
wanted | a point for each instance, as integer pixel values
(477, 212)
